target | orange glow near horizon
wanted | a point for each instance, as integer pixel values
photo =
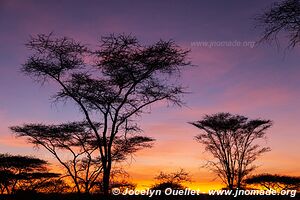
(169, 155)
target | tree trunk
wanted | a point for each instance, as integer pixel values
(7, 190)
(107, 169)
(239, 178)
(86, 189)
(77, 185)
(106, 179)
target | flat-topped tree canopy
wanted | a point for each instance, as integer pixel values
(231, 140)
(23, 173)
(76, 142)
(112, 84)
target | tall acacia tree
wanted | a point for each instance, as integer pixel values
(231, 139)
(111, 85)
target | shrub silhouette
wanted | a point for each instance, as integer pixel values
(174, 180)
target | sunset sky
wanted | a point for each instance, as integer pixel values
(259, 82)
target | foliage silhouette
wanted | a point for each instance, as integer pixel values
(275, 182)
(174, 180)
(73, 145)
(23, 173)
(283, 17)
(114, 84)
(231, 141)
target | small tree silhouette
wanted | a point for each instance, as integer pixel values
(113, 84)
(174, 180)
(23, 173)
(275, 182)
(231, 141)
(119, 179)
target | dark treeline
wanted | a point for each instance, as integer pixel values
(136, 197)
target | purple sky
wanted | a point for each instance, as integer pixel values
(257, 82)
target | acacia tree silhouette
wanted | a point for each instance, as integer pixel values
(174, 180)
(283, 17)
(76, 140)
(274, 182)
(123, 80)
(23, 173)
(231, 140)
